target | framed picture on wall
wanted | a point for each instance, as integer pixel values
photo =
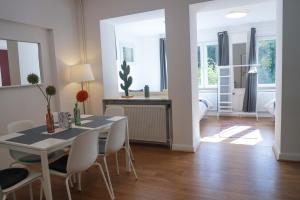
(127, 53)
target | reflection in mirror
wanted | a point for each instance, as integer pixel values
(239, 58)
(17, 60)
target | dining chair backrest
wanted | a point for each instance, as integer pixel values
(18, 126)
(114, 111)
(116, 136)
(83, 152)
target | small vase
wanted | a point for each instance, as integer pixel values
(50, 121)
(77, 120)
(146, 91)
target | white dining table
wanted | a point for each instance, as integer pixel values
(38, 142)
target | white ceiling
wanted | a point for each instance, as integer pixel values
(211, 15)
(143, 27)
(259, 11)
(140, 24)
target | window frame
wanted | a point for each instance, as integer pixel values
(262, 38)
(204, 65)
(201, 82)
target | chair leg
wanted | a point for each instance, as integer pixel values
(131, 154)
(30, 191)
(71, 182)
(112, 196)
(68, 188)
(117, 164)
(79, 181)
(14, 196)
(74, 178)
(131, 164)
(41, 190)
(108, 176)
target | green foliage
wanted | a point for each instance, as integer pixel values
(211, 68)
(267, 58)
(50, 90)
(212, 72)
(212, 75)
(124, 76)
(33, 78)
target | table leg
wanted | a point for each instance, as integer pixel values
(46, 175)
(128, 168)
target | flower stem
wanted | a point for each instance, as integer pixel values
(42, 92)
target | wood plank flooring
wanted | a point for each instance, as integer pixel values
(217, 171)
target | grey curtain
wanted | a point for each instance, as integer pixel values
(249, 104)
(163, 64)
(223, 45)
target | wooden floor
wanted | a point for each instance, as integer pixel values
(219, 170)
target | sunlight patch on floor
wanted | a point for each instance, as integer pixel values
(251, 138)
(235, 135)
(232, 131)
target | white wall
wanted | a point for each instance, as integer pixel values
(238, 34)
(109, 66)
(178, 54)
(13, 55)
(54, 25)
(287, 120)
(145, 70)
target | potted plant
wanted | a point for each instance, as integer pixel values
(127, 79)
(48, 93)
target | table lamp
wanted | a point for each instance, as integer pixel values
(81, 74)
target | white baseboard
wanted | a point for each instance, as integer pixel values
(276, 152)
(183, 147)
(289, 157)
(197, 144)
(285, 156)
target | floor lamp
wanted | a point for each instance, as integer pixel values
(81, 74)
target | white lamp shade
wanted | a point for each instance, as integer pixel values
(81, 73)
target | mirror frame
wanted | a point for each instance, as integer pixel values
(40, 65)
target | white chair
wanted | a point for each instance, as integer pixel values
(25, 158)
(12, 179)
(83, 155)
(113, 144)
(118, 111)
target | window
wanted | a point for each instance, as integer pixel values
(266, 55)
(212, 74)
(199, 67)
(207, 74)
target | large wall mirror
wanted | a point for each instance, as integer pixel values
(17, 60)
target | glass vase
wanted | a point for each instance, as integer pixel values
(77, 119)
(50, 121)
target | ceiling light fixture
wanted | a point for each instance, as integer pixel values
(237, 14)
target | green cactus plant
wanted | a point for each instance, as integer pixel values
(124, 76)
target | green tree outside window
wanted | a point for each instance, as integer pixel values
(266, 59)
(211, 64)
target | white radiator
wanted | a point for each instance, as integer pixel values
(147, 123)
